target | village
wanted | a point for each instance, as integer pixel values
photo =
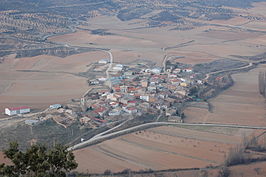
(137, 89)
(123, 92)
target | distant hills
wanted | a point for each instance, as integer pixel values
(25, 22)
(171, 10)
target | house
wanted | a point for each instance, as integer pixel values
(163, 95)
(175, 81)
(116, 88)
(17, 110)
(123, 88)
(103, 61)
(94, 82)
(199, 81)
(156, 70)
(114, 112)
(100, 111)
(181, 92)
(130, 110)
(152, 88)
(55, 106)
(152, 100)
(177, 70)
(132, 89)
(118, 67)
(132, 103)
(172, 75)
(112, 97)
(183, 84)
(144, 97)
(188, 70)
(102, 79)
(114, 104)
(84, 120)
(144, 84)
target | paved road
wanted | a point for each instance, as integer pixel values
(110, 66)
(102, 138)
(110, 130)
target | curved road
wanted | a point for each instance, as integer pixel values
(99, 139)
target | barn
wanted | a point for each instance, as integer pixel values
(17, 110)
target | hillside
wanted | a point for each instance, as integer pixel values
(26, 24)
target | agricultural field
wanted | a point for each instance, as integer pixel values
(160, 148)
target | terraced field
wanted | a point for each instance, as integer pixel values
(160, 148)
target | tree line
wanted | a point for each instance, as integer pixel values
(262, 83)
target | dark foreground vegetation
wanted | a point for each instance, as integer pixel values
(38, 161)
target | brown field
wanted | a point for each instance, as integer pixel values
(251, 170)
(160, 148)
(240, 104)
(55, 83)
(133, 40)
(255, 169)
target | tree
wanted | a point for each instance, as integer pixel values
(193, 91)
(38, 161)
(262, 83)
(183, 116)
(224, 172)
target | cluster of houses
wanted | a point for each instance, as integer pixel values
(138, 89)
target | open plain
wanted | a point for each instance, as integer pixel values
(43, 80)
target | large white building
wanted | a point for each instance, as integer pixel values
(17, 110)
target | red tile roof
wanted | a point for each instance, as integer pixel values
(100, 110)
(18, 108)
(131, 108)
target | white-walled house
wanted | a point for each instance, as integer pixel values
(17, 110)
(55, 106)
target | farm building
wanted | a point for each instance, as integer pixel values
(17, 110)
(55, 106)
